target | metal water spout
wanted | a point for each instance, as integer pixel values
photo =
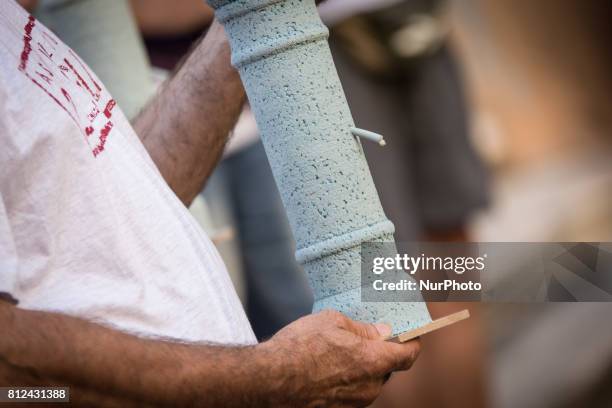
(280, 49)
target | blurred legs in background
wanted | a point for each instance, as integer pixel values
(277, 290)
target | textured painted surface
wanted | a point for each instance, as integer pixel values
(281, 51)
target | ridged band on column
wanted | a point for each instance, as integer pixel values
(280, 49)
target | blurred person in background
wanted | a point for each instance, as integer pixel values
(540, 78)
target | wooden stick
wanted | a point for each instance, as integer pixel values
(435, 325)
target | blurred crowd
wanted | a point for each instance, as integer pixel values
(497, 121)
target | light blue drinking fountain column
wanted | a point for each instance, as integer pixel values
(280, 48)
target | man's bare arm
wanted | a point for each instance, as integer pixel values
(185, 127)
(113, 368)
(324, 359)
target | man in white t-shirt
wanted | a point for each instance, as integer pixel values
(100, 259)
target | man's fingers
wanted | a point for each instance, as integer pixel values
(369, 331)
(403, 355)
(376, 331)
(393, 356)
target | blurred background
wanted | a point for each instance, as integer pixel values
(498, 120)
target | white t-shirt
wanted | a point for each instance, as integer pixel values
(88, 227)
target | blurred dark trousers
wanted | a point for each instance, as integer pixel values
(277, 288)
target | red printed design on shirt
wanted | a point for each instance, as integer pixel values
(65, 78)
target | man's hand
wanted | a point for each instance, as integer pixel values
(327, 359)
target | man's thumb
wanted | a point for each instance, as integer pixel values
(384, 330)
(377, 331)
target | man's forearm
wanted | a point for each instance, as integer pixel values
(109, 368)
(186, 126)
(325, 359)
